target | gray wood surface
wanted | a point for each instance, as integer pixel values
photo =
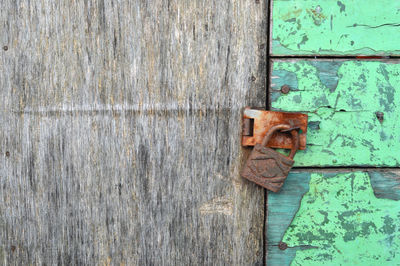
(120, 132)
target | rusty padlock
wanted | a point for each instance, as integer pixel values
(267, 167)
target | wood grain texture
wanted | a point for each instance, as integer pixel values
(343, 99)
(120, 136)
(333, 217)
(332, 27)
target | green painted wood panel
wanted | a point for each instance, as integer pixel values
(335, 218)
(342, 98)
(335, 27)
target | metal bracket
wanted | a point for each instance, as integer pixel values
(256, 123)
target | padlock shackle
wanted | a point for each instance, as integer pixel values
(294, 133)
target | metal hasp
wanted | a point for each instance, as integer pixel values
(267, 167)
(256, 124)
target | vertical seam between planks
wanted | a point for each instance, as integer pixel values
(267, 107)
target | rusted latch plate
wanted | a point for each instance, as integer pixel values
(256, 123)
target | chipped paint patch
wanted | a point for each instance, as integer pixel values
(217, 205)
(335, 27)
(342, 98)
(341, 222)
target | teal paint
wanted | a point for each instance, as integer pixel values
(282, 207)
(386, 185)
(287, 78)
(335, 219)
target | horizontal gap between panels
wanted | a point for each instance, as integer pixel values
(345, 169)
(332, 57)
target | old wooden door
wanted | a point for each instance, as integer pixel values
(342, 207)
(120, 132)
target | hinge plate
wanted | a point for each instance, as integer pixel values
(256, 124)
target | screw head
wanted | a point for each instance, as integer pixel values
(379, 115)
(5, 48)
(282, 246)
(7, 153)
(285, 89)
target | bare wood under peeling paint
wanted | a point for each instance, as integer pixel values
(120, 132)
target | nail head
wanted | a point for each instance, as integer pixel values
(282, 246)
(380, 116)
(285, 89)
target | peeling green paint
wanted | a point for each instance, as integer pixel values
(315, 211)
(341, 222)
(331, 27)
(342, 99)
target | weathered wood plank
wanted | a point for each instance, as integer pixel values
(331, 27)
(343, 100)
(335, 218)
(120, 136)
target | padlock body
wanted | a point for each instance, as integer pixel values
(267, 168)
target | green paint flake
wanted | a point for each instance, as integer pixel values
(341, 99)
(341, 222)
(347, 27)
